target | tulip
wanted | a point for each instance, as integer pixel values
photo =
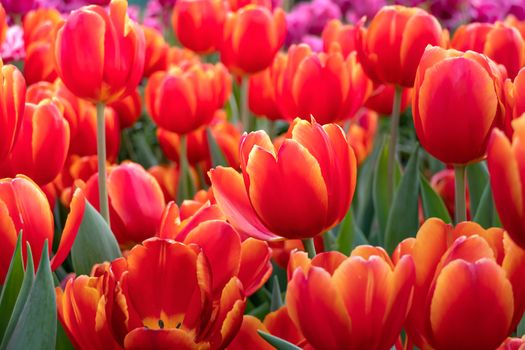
(339, 35)
(454, 91)
(156, 51)
(12, 101)
(382, 98)
(38, 24)
(261, 90)
(3, 24)
(359, 302)
(298, 191)
(487, 300)
(138, 302)
(136, 202)
(75, 169)
(512, 344)
(515, 96)
(519, 25)
(443, 184)
(128, 109)
(199, 24)
(42, 145)
(500, 42)
(361, 134)
(167, 177)
(504, 161)
(325, 85)
(24, 208)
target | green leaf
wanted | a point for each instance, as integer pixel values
(261, 310)
(477, 179)
(217, 157)
(94, 243)
(486, 214)
(13, 283)
(63, 342)
(403, 218)
(349, 234)
(381, 197)
(23, 294)
(36, 327)
(278, 343)
(433, 205)
(277, 298)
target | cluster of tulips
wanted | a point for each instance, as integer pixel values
(204, 187)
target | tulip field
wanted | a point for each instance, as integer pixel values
(262, 174)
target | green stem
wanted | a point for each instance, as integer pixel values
(101, 156)
(460, 197)
(245, 112)
(186, 188)
(309, 246)
(392, 152)
(234, 109)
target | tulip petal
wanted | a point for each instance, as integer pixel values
(255, 265)
(145, 338)
(248, 338)
(281, 325)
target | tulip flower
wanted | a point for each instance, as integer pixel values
(454, 91)
(76, 168)
(236, 5)
(443, 184)
(359, 302)
(488, 299)
(339, 35)
(500, 42)
(382, 98)
(199, 24)
(3, 24)
(361, 134)
(12, 101)
(138, 302)
(42, 145)
(136, 202)
(515, 97)
(504, 163)
(24, 208)
(128, 109)
(167, 177)
(324, 85)
(261, 90)
(519, 25)
(156, 51)
(512, 344)
(297, 191)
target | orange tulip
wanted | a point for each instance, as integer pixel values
(156, 51)
(381, 99)
(39, 24)
(324, 85)
(199, 24)
(128, 109)
(261, 94)
(362, 132)
(167, 177)
(252, 37)
(519, 25)
(159, 296)
(515, 97)
(12, 101)
(24, 207)
(299, 190)
(185, 98)
(3, 24)
(488, 298)
(100, 56)
(236, 5)
(339, 35)
(390, 53)
(356, 302)
(504, 160)
(42, 145)
(75, 168)
(136, 202)
(453, 92)
(500, 42)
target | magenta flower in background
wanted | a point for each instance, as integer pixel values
(12, 48)
(18, 7)
(309, 18)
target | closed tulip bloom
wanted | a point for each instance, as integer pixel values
(390, 53)
(12, 101)
(500, 42)
(39, 24)
(323, 85)
(340, 35)
(512, 344)
(356, 302)
(457, 101)
(42, 146)
(362, 132)
(504, 160)
(156, 51)
(487, 300)
(262, 95)
(128, 109)
(76, 168)
(3, 24)
(25, 208)
(516, 23)
(252, 37)
(199, 24)
(515, 96)
(167, 177)
(236, 5)
(185, 98)
(443, 184)
(314, 170)
(382, 97)
(100, 55)
(136, 202)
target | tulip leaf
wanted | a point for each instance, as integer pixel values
(277, 298)
(477, 179)
(94, 243)
(63, 342)
(433, 205)
(381, 197)
(36, 327)
(363, 202)
(23, 294)
(278, 343)
(486, 214)
(403, 220)
(261, 310)
(349, 234)
(217, 157)
(11, 289)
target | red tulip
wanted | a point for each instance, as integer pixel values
(519, 25)
(512, 344)
(443, 183)
(515, 97)
(381, 99)
(100, 56)
(128, 109)
(3, 24)
(291, 191)
(453, 92)
(236, 5)
(156, 52)
(76, 168)
(167, 177)
(390, 53)
(339, 35)
(12, 101)
(252, 37)
(362, 133)
(261, 94)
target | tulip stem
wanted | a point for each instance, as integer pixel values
(460, 197)
(245, 113)
(101, 156)
(392, 149)
(186, 188)
(309, 246)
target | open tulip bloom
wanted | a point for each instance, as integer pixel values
(258, 175)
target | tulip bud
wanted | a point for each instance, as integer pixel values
(12, 101)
